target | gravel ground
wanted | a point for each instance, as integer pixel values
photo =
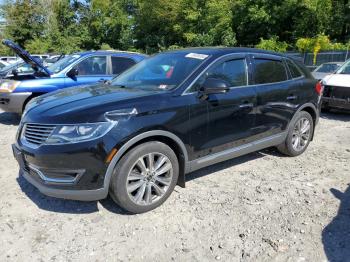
(260, 207)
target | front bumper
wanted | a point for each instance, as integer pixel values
(13, 102)
(54, 175)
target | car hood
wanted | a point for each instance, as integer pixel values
(337, 80)
(81, 104)
(26, 56)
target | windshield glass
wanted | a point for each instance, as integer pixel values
(63, 63)
(327, 68)
(161, 72)
(10, 66)
(344, 69)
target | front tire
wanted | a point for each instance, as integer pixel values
(144, 177)
(299, 135)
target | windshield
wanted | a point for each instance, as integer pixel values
(10, 66)
(63, 63)
(163, 72)
(344, 69)
(327, 68)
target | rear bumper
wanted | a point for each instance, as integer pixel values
(13, 102)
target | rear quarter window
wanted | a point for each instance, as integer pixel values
(294, 69)
(269, 71)
(121, 64)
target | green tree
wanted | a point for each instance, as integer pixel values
(25, 20)
(272, 44)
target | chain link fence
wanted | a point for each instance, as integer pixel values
(322, 57)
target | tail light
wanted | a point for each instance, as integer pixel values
(319, 88)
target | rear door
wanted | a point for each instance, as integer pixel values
(91, 70)
(272, 85)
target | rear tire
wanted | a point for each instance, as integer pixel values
(299, 135)
(144, 177)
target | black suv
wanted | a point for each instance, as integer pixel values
(137, 136)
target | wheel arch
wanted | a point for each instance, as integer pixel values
(312, 110)
(168, 138)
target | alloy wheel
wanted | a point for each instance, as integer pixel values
(301, 134)
(149, 178)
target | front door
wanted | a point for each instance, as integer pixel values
(91, 70)
(223, 121)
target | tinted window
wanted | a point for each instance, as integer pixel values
(294, 70)
(269, 71)
(95, 65)
(234, 72)
(120, 64)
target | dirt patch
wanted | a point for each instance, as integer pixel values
(259, 207)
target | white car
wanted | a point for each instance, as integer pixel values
(3, 64)
(326, 69)
(336, 92)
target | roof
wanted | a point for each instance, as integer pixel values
(226, 50)
(110, 52)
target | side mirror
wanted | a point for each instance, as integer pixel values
(214, 86)
(73, 72)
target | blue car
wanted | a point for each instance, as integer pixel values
(78, 69)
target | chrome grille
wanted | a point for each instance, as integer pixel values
(37, 133)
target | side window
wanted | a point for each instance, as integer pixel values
(94, 65)
(234, 72)
(121, 64)
(25, 68)
(293, 69)
(269, 71)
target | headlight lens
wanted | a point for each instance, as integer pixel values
(79, 133)
(7, 86)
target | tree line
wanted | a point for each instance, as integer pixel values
(65, 26)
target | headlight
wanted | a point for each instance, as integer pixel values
(66, 134)
(7, 86)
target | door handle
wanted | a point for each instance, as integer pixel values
(246, 105)
(292, 97)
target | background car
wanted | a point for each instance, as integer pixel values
(19, 68)
(3, 64)
(52, 59)
(83, 68)
(326, 69)
(336, 92)
(9, 59)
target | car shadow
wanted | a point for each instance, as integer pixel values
(336, 115)
(336, 235)
(63, 205)
(9, 118)
(80, 207)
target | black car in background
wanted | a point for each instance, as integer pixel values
(137, 136)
